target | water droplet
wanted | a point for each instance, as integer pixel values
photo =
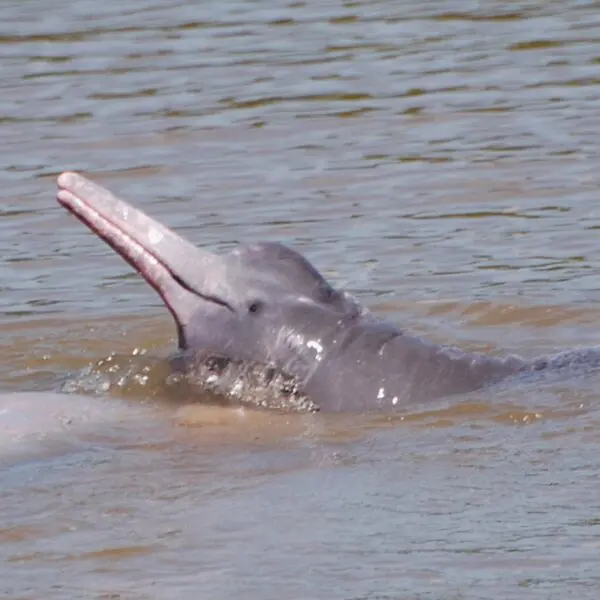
(316, 345)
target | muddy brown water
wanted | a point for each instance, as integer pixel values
(437, 158)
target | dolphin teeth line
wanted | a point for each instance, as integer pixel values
(148, 265)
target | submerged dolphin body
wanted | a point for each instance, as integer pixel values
(265, 305)
(34, 423)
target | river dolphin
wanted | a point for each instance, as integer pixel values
(266, 305)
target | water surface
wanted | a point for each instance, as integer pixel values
(439, 159)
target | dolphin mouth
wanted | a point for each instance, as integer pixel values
(148, 246)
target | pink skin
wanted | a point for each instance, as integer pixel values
(143, 242)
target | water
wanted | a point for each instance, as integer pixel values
(439, 159)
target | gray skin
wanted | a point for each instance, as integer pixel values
(266, 304)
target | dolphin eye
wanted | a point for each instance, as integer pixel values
(254, 307)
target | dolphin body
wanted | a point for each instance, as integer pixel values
(36, 424)
(266, 312)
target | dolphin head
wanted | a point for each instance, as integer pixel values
(270, 305)
(262, 303)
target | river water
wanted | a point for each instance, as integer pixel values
(439, 159)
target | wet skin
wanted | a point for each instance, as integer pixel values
(265, 304)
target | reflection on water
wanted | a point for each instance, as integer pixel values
(439, 160)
